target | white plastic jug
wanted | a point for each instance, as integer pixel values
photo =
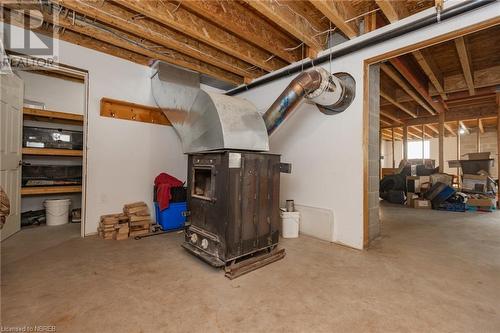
(57, 211)
(290, 224)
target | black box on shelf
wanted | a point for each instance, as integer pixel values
(41, 137)
(47, 175)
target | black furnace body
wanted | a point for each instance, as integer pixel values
(233, 200)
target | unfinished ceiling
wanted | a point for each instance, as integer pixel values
(458, 77)
(233, 41)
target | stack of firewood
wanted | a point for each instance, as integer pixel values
(140, 220)
(114, 226)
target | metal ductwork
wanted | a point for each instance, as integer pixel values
(208, 121)
(331, 93)
(204, 120)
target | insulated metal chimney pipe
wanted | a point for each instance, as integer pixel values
(331, 93)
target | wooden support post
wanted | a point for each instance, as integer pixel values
(459, 180)
(441, 142)
(423, 144)
(393, 155)
(405, 142)
(478, 136)
(498, 143)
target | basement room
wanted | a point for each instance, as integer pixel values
(250, 166)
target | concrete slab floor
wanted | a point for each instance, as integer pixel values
(430, 272)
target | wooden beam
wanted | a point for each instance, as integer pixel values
(404, 69)
(120, 40)
(390, 116)
(405, 142)
(338, 12)
(124, 20)
(392, 73)
(433, 128)
(394, 10)
(449, 129)
(462, 125)
(478, 133)
(464, 56)
(247, 25)
(441, 142)
(185, 22)
(480, 125)
(484, 79)
(498, 135)
(295, 24)
(430, 68)
(393, 150)
(75, 38)
(400, 106)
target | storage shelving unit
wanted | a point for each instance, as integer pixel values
(52, 117)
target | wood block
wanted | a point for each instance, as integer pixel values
(137, 210)
(135, 204)
(119, 236)
(109, 220)
(143, 224)
(139, 232)
(134, 218)
(123, 230)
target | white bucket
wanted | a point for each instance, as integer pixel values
(290, 224)
(57, 211)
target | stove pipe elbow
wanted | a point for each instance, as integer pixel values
(331, 93)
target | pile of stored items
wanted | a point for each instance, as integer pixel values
(418, 184)
(134, 221)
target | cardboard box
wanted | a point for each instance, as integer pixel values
(474, 183)
(422, 204)
(410, 198)
(482, 202)
(415, 184)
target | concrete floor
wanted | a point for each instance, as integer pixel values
(430, 272)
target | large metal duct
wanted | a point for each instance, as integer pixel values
(204, 120)
(331, 93)
(208, 121)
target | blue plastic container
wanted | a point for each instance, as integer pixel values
(171, 218)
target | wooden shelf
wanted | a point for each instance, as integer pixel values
(52, 152)
(53, 116)
(43, 190)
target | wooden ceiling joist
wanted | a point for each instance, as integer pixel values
(394, 10)
(428, 65)
(465, 62)
(247, 25)
(295, 24)
(394, 75)
(184, 21)
(122, 19)
(404, 69)
(480, 126)
(131, 43)
(338, 12)
(400, 106)
(390, 116)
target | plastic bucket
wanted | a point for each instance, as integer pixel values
(290, 224)
(57, 211)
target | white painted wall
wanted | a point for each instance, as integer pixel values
(57, 94)
(327, 151)
(123, 156)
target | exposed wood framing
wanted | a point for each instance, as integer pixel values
(441, 142)
(390, 116)
(484, 79)
(400, 106)
(394, 10)
(247, 25)
(429, 67)
(122, 19)
(464, 56)
(338, 12)
(78, 39)
(295, 24)
(389, 71)
(480, 125)
(187, 23)
(405, 70)
(111, 37)
(462, 125)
